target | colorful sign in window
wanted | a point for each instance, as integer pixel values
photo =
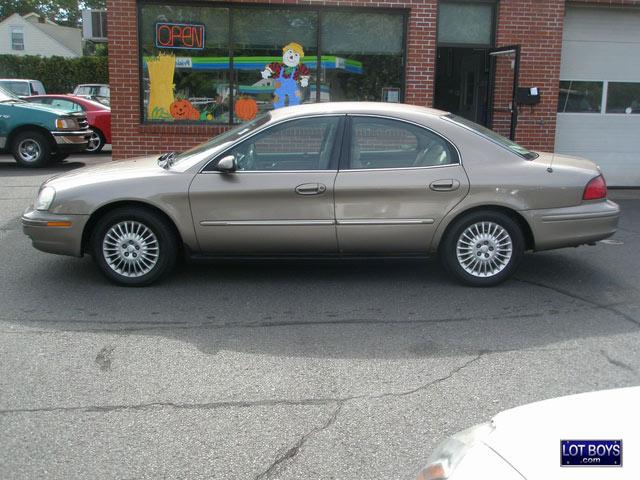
(180, 36)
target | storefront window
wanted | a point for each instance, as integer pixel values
(206, 64)
(580, 97)
(185, 63)
(623, 97)
(274, 59)
(362, 56)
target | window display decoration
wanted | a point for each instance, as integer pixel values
(161, 69)
(246, 108)
(287, 75)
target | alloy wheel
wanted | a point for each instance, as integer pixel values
(484, 249)
(130, 248)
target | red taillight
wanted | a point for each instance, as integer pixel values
(595, 189)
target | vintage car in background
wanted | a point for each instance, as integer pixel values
(98, 116)
(37, 135)
(99, 92)
(22, 87)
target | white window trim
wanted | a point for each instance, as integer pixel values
(16, 29)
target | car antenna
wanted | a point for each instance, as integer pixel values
(550, 167)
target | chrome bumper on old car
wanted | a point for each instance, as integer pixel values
(74, 137)
(573, 226)
(53, 233)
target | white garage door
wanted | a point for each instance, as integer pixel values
(599, 106)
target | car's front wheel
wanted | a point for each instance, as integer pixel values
(134, 246)
(482, 248)
(31, 149)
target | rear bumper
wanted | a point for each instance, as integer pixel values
(47, 235)
(69, 142)
(572, 226)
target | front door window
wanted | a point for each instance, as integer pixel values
(297, 145)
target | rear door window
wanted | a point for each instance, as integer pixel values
(386, 143)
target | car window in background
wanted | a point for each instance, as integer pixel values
(37, 87)
(66, 105)
(18, 88)
(383, 143)
(580, 97)
(493, 136)
(303, 144)
(623, 97)
(8, 96)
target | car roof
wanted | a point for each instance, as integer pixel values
(18, 80)
(370, 108)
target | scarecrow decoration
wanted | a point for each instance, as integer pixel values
(287, 75)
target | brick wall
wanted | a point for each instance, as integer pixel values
(535, 25)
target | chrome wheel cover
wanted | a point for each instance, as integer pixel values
(94, 142)
(29, 150)
(130, 248)
(484, 249)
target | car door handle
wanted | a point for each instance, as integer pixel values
(311, 189)
(444, 185)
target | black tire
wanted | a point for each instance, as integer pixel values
(503, 265)
(31, 149)
(162, 230)
(99, 138)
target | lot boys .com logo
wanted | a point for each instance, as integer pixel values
(585, 453)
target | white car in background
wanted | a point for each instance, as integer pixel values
(524, 443)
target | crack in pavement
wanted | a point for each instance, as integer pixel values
(279, 463)
(243, 404)
(145, 326)
(567, 293)
(289, 455)
(618, 363)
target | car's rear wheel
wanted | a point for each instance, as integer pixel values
(31, 149)
(483, 248)
(134, 246)
(96, 142)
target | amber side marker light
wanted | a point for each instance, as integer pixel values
(58, 224)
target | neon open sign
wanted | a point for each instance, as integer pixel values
(180, 35)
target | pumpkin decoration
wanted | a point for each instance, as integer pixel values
(246, 108)
(181, 109)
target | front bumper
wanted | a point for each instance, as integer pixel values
(52, 233)
(70, 142)
(573, 226)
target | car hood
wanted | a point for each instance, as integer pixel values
(36, 106)
(111, 171)
(528, 437)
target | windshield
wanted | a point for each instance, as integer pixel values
(7, 96)
(226, 137)
(493, 136)
(18, 88)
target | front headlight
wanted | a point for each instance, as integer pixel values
(45, 198)
(447, 455)
(66, 123)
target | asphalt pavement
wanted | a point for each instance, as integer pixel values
(289, 370)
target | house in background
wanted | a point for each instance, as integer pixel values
(32, 34)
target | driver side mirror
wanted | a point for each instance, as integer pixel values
(227, 164)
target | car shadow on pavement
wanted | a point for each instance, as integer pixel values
(333, 309)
